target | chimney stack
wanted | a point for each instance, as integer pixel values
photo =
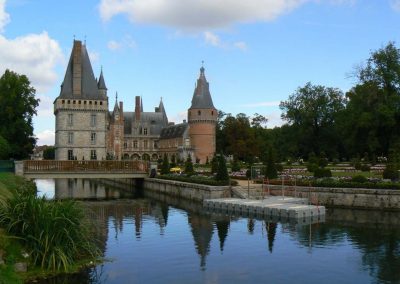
(137, 108)
(77, 69)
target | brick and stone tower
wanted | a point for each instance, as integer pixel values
(81, 110)
(202, 118)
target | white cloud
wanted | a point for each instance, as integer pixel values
(263, 104)
(179, 117)
(4, 17)
(211, 38)
(34, 55)
(94, 56)
(45, 107)
(240, 45)
(113, 45)
(197, 15)
(274, 119)
(46, 137)
(126, 42)
(395, 4)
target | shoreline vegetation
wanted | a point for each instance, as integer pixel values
(39, 237)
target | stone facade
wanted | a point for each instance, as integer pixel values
(86, 129)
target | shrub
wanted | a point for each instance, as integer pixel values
(165, 165)
(359, 179)
(365, 168)
(56, 233)
(391, 172)
(189, 166)
(222, 173)
(311, 167)
(322, 172)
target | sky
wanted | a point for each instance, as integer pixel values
(256, 53)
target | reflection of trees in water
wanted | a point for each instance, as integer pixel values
(271, 232)
(380, 252)
(222, 228)
(250, 225)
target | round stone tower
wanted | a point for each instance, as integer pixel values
(202, 118)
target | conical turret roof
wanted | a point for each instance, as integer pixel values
(201, 96)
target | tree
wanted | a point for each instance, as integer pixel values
(165, 165)
(18, 106)
(189, 166)
(49, 153)
(271, 168)
(214, 165)
(4, 149)
(235, 167)
(222, 173)
(312, 112)
(371, 122)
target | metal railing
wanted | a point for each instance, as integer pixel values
(32, 166)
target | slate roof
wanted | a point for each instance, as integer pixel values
(201, 96)
(101, 84)
(155, 121)
(89, 88)
(174, 131)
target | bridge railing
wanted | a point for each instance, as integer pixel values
(33, 166)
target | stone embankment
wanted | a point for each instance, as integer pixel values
(355, 198)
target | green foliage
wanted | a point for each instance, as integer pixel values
(322, 172)
(359, 179)
(312, 111)
(165, 165)
(222, 173)
(391, 172)
(235, 167)
(49, 153)
(365, 168)
(56, 233)
(18, 106)
(189, 166)
(5, 149)
(271, 168)
(199, 180)
(214, 165)
(311, 167)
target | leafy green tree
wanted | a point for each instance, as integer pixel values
(371, 122)
(165, 165)
(4, 149)
(312, 112)
(18, 106)
(235, 167)
(214, 165)
(189, 166)
(49, 153)
(271, 168)
(222, 173)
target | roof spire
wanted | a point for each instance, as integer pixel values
(101, 83)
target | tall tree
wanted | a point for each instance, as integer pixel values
(165, 165)
(312, 112)
(371, 122)
(18, 106)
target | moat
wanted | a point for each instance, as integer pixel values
(152, 238)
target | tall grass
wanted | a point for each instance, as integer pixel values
(54, 233)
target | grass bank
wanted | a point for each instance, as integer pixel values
(47, 236)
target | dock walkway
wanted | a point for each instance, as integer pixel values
(273, 207)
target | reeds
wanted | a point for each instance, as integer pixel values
(55, 234)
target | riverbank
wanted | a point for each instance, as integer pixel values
(35, 242)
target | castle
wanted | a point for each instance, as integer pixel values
(85, 129)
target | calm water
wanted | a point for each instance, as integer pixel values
(158, 239)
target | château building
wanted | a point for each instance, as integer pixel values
(86, 130)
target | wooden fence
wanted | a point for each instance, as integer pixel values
(33, 166)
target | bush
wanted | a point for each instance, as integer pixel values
(55, 233)
(199, 180)
(359, 179)
(322, 172)
(222, 173)
(391, 173)
(311, 167)
(365, 168)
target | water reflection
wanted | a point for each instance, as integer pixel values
(162, 239)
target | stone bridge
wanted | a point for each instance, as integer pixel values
(82, 169)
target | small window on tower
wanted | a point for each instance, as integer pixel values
(212, 112)
(93, 138)
(145, 131)
(199, 112)
(101, 103)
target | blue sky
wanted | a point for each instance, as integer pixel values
(256, 52)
